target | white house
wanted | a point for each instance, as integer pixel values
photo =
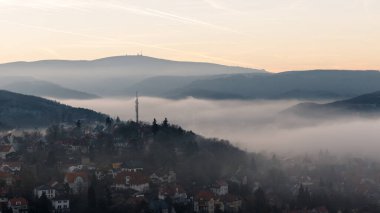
(220, 188)
(45, 189)
(61, 205)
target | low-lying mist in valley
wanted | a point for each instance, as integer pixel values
(252, 125)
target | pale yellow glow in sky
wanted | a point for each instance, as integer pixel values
(276, 35)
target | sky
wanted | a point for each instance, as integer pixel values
(276, 35)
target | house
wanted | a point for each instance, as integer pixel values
(77, 181)
(7, 178)
(131, 180)
(132, 166)
(220, 188)
(136, 200)
(4, 198)
(61, 205)
(204, 201)
(117, 165)
(159, 177)
(175, 192)
(60, 188)
(231, 203)
(18, 205)
(45, 189)
(5, 150)
(11, 167)
(240, 180)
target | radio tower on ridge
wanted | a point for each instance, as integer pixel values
(137, 108)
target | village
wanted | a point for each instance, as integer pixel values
(118, 167)
(81, 176)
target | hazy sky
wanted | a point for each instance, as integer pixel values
(270, 34)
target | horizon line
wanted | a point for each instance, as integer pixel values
(139, 54)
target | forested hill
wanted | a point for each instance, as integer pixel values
(24, 111)
(363, 105)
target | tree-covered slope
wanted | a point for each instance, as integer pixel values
(24, 111)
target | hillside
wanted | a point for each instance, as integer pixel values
(46, 89)
(24, 111)
(363, 105)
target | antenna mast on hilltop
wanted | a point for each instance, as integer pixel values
(137, 108)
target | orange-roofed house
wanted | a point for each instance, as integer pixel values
(77, 181)
(204, 202)
(18, 205)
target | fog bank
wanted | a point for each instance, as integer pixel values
(252, 125)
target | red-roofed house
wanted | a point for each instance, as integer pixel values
(18, 205)
(78, 181)
(5, 150)
(204, 202)
(131, 180)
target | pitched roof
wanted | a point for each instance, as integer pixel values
(135, 178)
(44, 187)
(171, 190)
(5, 148)
(5, 175)
(205, 195)
(220, 183)
(14, 201)
(138, 178)
(230, 198)
(12, 164)
(71, 176)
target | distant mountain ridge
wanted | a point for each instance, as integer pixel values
(25, 111)
(116, 75)
(124, 75)
(315, 84)
(122, 65)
